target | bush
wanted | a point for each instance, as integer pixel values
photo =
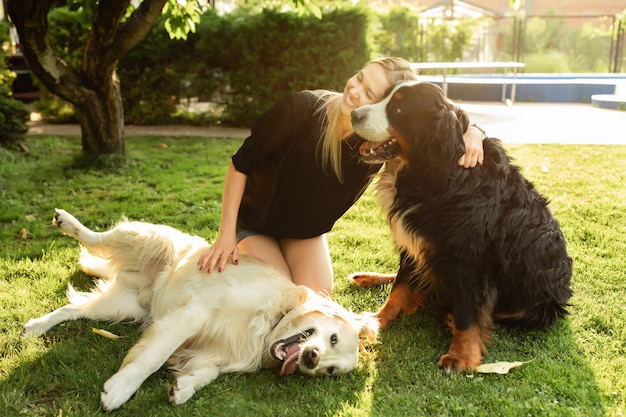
(150, 83)
(551, 45)
(244, 62)
(265, 56)
(54, 109)
(208, 53)
(13, 113)
(553, 62)
(400, 33)
(6, 76)
(13, 118)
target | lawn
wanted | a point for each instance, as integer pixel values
(578, 368)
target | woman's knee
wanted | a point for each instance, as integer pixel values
(265, 248)
(309, 262)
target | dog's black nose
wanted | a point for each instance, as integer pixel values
(357, 116)
(311, 357)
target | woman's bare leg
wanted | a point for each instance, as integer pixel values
(304, 261)
(265, 248)
(309, 262)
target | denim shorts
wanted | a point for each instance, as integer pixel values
(244, 233)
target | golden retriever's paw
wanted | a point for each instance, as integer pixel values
(187, 384)
(68, 224)
(367, 325)
(34, 328)
(177, 394)
(117, 390)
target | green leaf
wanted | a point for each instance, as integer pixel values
(308, 6)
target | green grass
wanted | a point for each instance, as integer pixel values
(578, 368)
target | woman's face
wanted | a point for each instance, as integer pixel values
(366, 87)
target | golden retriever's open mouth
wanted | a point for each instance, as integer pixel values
(378, 152)
(288, 351)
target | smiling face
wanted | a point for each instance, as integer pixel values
(321, 341)
(371, 122)
(414, 121)
(366, 87)
(332, 348)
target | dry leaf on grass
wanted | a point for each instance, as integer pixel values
(104, 333)
(23, 234)
(25, 148)
(501, 368)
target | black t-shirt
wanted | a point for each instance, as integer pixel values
(287, 193)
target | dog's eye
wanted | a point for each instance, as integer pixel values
(331, 370)
(333, 339)
(397, 109)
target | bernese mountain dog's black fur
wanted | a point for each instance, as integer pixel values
(482, 240)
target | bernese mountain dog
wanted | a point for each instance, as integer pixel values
(481, 240)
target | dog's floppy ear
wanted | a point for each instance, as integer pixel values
(463, 123)
(463, 118)
(294, 297)
(449, 134)
(367, 325)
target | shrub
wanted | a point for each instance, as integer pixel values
(271, 54)
(13, 118)
(13, 113)
(150, 83)
(244, 62)
(208, 53)
(399, 33)
(547, 62)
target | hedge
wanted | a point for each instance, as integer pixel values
(244, 62)
(253, 61)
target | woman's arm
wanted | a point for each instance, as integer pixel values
(474, 154)
(226, 243)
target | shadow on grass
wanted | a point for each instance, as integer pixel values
(557, 382)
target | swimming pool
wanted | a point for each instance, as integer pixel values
(533, 88)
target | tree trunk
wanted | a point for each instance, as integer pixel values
(101, 117)
(93, 90)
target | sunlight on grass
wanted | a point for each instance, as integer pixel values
(578, 367)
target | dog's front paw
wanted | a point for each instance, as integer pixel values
(34, 328)
(368, 279)
(451, 363)
(178, 393)
(117, 390)
(66, 222)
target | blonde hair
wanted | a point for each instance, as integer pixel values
(397, 69)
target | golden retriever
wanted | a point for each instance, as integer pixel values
(239, 320)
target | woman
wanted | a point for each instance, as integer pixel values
(298, 172)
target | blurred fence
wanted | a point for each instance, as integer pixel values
(551, 43)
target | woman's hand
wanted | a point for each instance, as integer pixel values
(225, 246)
(218, 254)
(474, 153)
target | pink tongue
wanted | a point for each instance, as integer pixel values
(290, 363)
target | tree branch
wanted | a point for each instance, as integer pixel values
(31, 23)
(105, 24)
(111, 38)
(137, 26)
